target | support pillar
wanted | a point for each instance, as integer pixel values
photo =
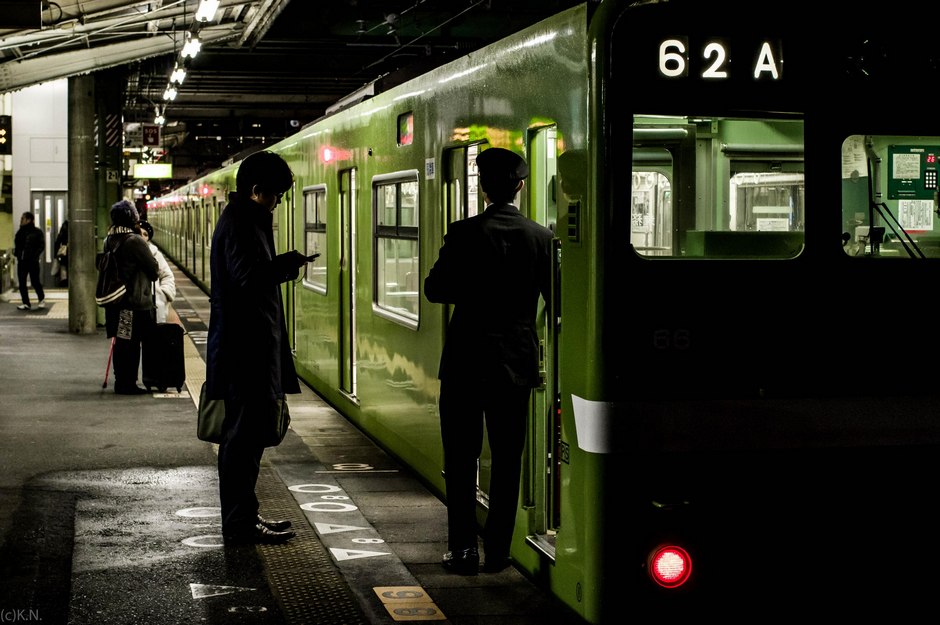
(82, 205)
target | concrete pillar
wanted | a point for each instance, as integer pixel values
(82, 205)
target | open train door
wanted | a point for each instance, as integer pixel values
(463, 199)
(540, 477)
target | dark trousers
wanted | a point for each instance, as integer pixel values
(126, 355)
(464, 409)
(28, 268)
(239, 464)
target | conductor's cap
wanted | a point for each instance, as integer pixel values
(501, 164)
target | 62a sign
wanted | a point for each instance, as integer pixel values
(712, 60)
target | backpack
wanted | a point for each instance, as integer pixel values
(110, 288)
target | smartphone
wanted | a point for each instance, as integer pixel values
(312, 258)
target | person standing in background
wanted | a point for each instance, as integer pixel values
(61, 247)
(248, 358)
(492, 267)
(129, 320)
(28, 246)
(165, 286)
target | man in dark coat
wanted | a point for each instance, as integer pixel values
(28, 246)
(129, 320)
(492, 267)
(249, 363)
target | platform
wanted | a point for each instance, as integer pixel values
(109, 505)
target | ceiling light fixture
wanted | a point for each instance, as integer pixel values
(206, 10)
(178, 75)
(192, 47)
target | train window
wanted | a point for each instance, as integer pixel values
(889, 196)
(315, 237)
(395, 248)
(717, 187)
(406, 128)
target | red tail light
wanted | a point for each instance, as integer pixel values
(670, 566)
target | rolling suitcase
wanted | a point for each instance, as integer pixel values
(162, 358)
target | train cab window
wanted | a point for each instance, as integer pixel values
(315, 237)
(889, 196)
(406, 128)
(395, 248)
(717, 187)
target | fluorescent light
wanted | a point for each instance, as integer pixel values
(206, 10)
(178, 75)
(192, 47)
(170, 93)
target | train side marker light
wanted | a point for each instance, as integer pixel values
(670, 566)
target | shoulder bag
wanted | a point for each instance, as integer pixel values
(211, 416)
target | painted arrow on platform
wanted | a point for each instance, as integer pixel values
(201, 591)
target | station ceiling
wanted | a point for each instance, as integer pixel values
(265, 66)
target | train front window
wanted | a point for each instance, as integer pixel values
(717, 187)
(889, 196)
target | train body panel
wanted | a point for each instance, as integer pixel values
(722, 372)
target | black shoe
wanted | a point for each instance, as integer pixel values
(495, 565)
(462, 561)
(258, 535)
(274, 526)
(130, 390)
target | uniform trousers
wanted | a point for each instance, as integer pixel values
(240, 462)
(464, 409)
(29, 268)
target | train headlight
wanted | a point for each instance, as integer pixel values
(670, 566)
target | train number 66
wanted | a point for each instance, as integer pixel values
(672, 339)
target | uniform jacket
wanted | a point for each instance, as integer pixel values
(492, 267)
(136, 266)
(248, 353)
(29, 243)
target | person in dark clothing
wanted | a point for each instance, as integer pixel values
(28, 246)
(61, 247)
(130, 320)
(248, 358)
(492, 267)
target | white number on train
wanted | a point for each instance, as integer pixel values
(674, 60)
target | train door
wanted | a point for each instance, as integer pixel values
(199, 245)
(49, 210)
(286, 242)
(540, 481)
(189, 238)
(347, 270)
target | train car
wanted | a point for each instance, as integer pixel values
(738, 414)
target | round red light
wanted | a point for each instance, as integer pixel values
(670, 566)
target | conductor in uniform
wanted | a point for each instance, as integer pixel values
(492, 268)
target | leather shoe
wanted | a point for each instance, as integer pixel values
(258, 535)
(462, 561)
(274, 526)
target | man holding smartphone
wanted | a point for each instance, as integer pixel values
(248, 362)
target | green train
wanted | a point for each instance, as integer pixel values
(739, 410)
